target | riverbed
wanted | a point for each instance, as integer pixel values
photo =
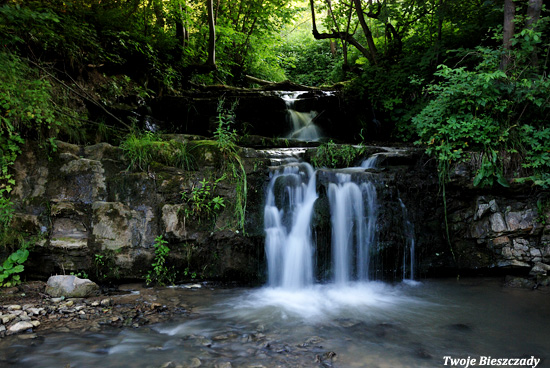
(367, 324)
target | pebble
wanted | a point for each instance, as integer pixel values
(14, 307)
(8, 318)
(28, 336)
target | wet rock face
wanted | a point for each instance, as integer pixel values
(88, 213)
(498, 232)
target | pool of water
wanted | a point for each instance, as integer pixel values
(373, 324)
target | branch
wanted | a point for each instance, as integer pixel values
(81, 95)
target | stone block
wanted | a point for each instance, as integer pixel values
(523, 220)
(69, 234)
(84, 181)
(498, 225)
(115, 225)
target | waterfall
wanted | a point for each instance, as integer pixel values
(408, 230)
(371, 162)
(288, 213)
(287, 221)
(353, 228)
(303, 126)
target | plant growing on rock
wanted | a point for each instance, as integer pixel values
(201, 200)
(161, 274)
(226, 139)
(144, 148)
(332, 155)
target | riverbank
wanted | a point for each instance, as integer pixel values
(28, 310)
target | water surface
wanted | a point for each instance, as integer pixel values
(368, 324)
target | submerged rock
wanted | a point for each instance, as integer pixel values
(70, 287)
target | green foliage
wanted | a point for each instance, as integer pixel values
(105, 266)
(25, 110)
(490, 172)
(99, 262)
(12, 266)
(144, 148)
(308, 61)
(161, 273)
(225, 136)
(536, 145)
(489, 110)
(332, 155)
(226, 139)
(80, 274)
(543, 206)
(202, 203)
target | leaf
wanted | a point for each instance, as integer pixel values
(503, 181)
(18, 269)
(478, 178)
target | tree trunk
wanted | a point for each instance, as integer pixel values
(508, 33)
(181, 32)
(366, 30)
(212, 35)
(533, 13)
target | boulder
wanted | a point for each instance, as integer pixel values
(70, 287)
(20, 327)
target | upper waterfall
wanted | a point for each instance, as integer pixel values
(303, 123)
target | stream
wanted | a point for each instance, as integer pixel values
(359, 324)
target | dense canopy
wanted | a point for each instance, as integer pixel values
(450, 75)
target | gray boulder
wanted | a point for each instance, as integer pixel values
(70, 287)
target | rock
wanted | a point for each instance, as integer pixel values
(223, 365)
(497, 222)
(28, 336)
(168, 365)
(106, 302)
(539, 269)
(8, 318)
(14, 307)
(116, 225)
(20, 327)
(518, 282)
(70, 287)
(195, 363)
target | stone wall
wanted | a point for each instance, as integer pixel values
(88, 213)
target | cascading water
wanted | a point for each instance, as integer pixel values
(408, 229)
(288, 214)
(352, 228)
(303, 126)
(287, 220)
